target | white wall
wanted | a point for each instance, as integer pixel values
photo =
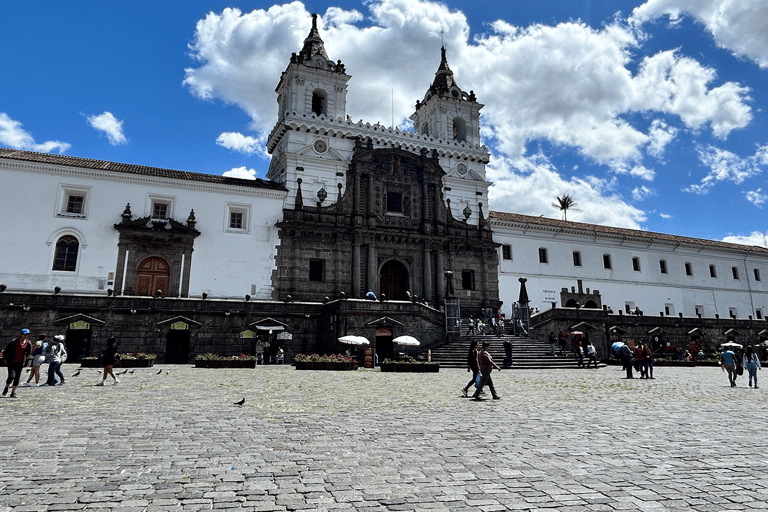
(223, 263)
(649, 289)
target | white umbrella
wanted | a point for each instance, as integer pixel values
(409, 341)
(354, 340)
(731, 344)
(577, 333)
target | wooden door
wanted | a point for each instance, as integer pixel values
(153, 274)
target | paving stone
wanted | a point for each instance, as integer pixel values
(565, 441)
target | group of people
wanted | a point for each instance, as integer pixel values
(480, 363)
(732, 362)
(640, 358)
(580, 344)
(21, 349)
(493, 324)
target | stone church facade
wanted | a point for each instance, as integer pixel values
(369, 207)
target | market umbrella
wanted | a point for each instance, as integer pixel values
(409, 341)
(354, 340)
(577, 333)
(731, 344)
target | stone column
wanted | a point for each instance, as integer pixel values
(118, 284)
(440, 275)
(185, 273)
(427, 292)
(372, 269)
(356, 271)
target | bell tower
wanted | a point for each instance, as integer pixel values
(446, 112)
(312, 83)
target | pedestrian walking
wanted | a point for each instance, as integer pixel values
(552, 343)
(55, 354)
(15, 354)
(561, 341)
(471, 367)
(648, 361)
(752, 364)
(486, 365)
(625, 353)
(471, 329)
(507, 353)
(592, 353)
(109, 358)
(728, 363)
(38, 358)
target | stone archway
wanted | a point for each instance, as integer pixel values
(394, 280)
(153, 274)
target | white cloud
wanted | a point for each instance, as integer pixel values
(660, 134)
(110, 125)
(14, 136)
(737, 25)
(241, 172)
(242, 143)
(570, 85)
(727, 166)
(754, 238)
(756, 197)
(532, 185)
(665, 216)
(640, 193)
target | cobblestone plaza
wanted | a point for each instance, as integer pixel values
(573, 440)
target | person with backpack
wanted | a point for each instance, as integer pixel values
(38, 358)
(625, 353)
(15, 355)
(55, 354)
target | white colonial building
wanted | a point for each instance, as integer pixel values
(631, 269)
(87, 226)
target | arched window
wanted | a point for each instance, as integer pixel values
(459, 129)
(318, 102)
(65, 257)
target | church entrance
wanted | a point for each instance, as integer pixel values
(394, 280)
(153, 274)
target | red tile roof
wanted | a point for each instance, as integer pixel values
(103, 165)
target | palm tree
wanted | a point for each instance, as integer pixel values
(564, 204)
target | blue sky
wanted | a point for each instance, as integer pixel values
(652, 115)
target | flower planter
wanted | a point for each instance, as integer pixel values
(223, 363)
(333, 366)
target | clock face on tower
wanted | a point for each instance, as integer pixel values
(318, 62)
(320, 146)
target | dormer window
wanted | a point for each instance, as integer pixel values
(159, 210)
(459, 129)
(319, 102)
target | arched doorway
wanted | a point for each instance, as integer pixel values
(394, 280)
(153, 274)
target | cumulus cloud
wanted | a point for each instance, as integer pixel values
(577, 88)
(242, 143)
(14, 136)
(737, 25)
(755, 238)
(756, 197)
(241, 172)
(665, 216)
(531, 186)
(727, 166)
(110, 125)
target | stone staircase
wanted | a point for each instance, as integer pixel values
(527, 354)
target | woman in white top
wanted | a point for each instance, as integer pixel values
(751, 363)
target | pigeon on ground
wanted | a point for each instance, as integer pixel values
(124, 372)
(241, 402)
(131, 372)
(76, 373)
(167, 372)
(159, 372)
